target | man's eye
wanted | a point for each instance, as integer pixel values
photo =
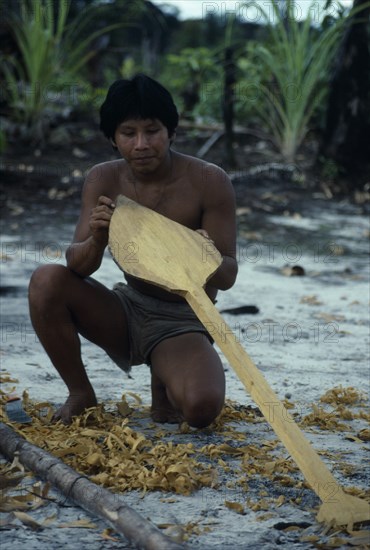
(153, 130)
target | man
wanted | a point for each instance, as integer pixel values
(137, 322)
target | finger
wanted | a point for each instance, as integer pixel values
(99, 224)
(102, 211)
(104, 208)
(105, 201)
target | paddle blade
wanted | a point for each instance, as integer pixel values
(346, 510)
(158, 250)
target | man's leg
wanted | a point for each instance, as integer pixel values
(64, 305)
(192, 378)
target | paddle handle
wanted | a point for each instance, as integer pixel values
(313, 468)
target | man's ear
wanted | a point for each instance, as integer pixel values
(113, 143)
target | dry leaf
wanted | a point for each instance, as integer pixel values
(95, 459)
(340, 395)
(359, 538)
(330, 318)
(28, 520)
(310, 538)
(311, 300)
(364, 435)
(353, 438)
(106, 535)
(280, 500)
(8, 480)
(49, 520)
(80, 523)
(235, 506)
(124, 408)
(336, 542)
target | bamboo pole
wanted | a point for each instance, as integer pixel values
(89, 496)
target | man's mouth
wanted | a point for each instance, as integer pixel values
(140, 159)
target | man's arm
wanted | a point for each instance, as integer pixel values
(219, 221)
(85, 254)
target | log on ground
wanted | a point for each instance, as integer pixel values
(89, 496)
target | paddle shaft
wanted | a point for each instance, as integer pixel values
(276, 414)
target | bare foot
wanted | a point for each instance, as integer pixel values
(163, 415)
(74, 406)
(162, 410)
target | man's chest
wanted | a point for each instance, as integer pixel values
(180, 201)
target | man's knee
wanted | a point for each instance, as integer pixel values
(202, 408)
(46, 281)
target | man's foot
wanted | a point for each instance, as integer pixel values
(74, 406)
(162, 410)
(163, 414)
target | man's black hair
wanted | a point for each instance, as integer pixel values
(141, 97)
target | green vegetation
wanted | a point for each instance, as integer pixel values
(52, 54)
(295, 62)
(192, 75)
(66, 54)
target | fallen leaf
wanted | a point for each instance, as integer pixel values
(364, 435)
(309, 538)
(235, 506)
(28, 520)
(80, 523)
(311, 300)
(359, 538)
(106, 535)
(340, 395)
(353, 438)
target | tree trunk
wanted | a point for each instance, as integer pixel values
(345, 138)
(84, 493)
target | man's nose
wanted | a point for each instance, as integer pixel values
(141, 141)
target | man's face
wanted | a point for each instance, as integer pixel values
(143, 143)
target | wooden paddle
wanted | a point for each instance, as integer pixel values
(149, 246)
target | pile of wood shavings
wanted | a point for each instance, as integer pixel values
(345, 396)
(104, 445)
(339, 399)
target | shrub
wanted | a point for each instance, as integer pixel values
(296, 61)
(52, 54)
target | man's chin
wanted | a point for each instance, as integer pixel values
(144, 166)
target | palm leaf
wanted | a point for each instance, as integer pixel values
(295, 55)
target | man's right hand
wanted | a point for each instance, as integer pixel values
(100, 219)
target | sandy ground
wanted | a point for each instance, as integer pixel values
(311, 334)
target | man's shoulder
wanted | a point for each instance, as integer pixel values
(104, 169)
(201, 167)
(102, 179)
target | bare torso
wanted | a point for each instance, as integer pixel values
(183, 196)
(180, 199)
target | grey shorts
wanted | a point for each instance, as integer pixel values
(150, 321)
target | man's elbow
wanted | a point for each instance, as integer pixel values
(229, 276)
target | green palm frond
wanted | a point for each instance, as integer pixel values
(49, 47)
(297, 57)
